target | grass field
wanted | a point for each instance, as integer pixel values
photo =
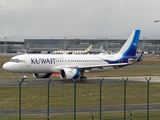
(63, 96)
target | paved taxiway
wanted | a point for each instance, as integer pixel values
(133, 108)
(90, 81)
(58, 82)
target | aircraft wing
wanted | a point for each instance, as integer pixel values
(140, 57)
(89, 67)
(117, 65)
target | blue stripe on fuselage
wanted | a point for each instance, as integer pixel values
(123, 59)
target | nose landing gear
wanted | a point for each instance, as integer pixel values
(24, 77)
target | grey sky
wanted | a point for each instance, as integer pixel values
(79, 18)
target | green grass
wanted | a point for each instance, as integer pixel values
(63, 96)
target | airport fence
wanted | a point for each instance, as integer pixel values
(114, 93)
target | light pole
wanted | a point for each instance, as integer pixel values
(5, 44)
(157, 21)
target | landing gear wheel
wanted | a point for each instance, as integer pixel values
(83, 78)
(24, 77)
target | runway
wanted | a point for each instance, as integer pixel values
(40, 111)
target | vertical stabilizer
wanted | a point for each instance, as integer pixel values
(130, 46)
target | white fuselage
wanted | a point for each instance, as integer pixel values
(48, 63)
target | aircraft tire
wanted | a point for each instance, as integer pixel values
(83, 78)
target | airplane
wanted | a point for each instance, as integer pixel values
(72, 51)
(101, 50)
(71, 66)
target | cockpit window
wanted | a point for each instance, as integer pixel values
(15, 60)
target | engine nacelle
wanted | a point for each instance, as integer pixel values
(69, 73)
(41, 75)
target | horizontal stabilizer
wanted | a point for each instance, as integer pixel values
(140, 57)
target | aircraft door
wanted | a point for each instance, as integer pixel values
(28, 61)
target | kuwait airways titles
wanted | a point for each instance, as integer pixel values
(42, 60)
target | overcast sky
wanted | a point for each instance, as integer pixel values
(79, 18)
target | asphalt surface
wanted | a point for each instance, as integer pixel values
(90, 81)
(133, 108)
(58, 82)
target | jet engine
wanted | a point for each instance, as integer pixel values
(41, 75)
(69, 73)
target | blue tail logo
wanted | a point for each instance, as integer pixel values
(130, 47)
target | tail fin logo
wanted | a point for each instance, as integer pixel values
(130, 46)
(134, 44)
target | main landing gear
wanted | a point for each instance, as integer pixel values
(83, 78)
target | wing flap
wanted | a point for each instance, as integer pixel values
(88, 67)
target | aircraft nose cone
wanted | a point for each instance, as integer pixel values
(4, 66)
